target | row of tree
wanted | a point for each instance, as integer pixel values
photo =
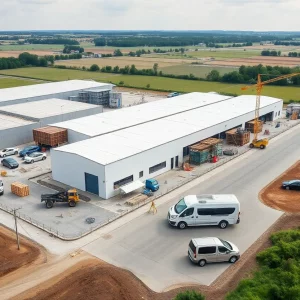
(294, 54)
(234, 45)
(270, 53)
(54, 41)
(245, 74)
(284, 43)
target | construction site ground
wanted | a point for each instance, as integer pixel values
(278, 198)
(81, 276)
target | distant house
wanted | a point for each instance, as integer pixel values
(97, 55)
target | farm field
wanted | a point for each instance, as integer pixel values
(30, 47)
(167, 84)
(256, 60)
(8, 82)
(17, 53)
(200, 71)
(224, 53)
(139, 62)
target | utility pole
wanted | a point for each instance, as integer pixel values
(16, 225)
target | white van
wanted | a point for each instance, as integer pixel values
(204, 210)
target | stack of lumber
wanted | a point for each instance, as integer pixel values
(203, 151)
(233, 137)
(136, 199)
(250, 126)
(294, 115)
(20, 189)
(50, 136)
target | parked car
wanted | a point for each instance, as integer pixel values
(174, 94)
(204, 210)
(1, 188)
(28, 150)
(9, 163)
(291, 185)
(211, 250)
(8, 151)
(35, 156)
(230, 152)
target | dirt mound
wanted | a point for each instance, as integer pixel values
(92, 280)
(11, 258)
(276, 197)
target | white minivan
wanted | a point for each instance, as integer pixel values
(204, 210)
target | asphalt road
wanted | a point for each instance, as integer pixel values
(157, 253)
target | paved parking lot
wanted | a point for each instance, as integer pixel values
(157, 253)
(68, 222)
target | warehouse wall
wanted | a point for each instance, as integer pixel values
(143, 161)
(74, 136)
(17, 135)
(69, 169)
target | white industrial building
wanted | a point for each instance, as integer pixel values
(84, 128)
(61, 90)
(102, 164)
(17, 121)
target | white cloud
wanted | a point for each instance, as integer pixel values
(258, 15)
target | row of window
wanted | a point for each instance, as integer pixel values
(129, 179)
(209, 211)
(211, 250)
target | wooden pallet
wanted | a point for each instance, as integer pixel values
(50, 136)
(136, 199)
(237, 139)
(20, 189)
(250, 126)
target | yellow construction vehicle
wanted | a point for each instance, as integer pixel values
(70, 196)
(262, 143)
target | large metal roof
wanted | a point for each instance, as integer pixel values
(126, 117)
(7, 122)
(109, 148)
(44, 89)
(45, 108)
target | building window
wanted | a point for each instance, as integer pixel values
(279, 114)
(157, 167)
(123, 181)
(141, 174)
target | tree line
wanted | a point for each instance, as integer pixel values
(245, 74)
(270, 53)
(68, 48)
(234, 45)
(284, 43)
(54, 41)
(294, 54)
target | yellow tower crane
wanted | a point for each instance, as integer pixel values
(259, 86)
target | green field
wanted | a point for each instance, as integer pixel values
(9, 82)
(30, 47)
(161, 83)
(197, 70)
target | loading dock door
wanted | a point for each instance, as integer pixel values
(91, 183)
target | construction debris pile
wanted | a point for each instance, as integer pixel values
(237, 137)
(205, 151)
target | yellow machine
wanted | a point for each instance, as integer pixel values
(259, 86)
(70, 196)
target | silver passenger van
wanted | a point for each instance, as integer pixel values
(212, 250)
(203, 210)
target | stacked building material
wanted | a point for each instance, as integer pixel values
(237, 137)
(205, 150)
(50, 136)
(20, 189)
(250, 126)
(294, 115)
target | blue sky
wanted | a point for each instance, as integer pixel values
(257, 15)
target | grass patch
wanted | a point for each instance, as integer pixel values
(30, 47)
(196, 70)
(156, 83)
(14, 82)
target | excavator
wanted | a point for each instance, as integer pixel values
(262, 143)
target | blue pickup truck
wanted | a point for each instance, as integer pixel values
(152, 185)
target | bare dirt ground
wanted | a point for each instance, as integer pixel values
(256, 60)
(17, 53)
(276, 197)
(94, 279)
(11, 258)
